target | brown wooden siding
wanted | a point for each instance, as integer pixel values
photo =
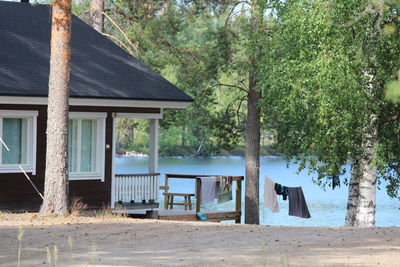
(17, 194)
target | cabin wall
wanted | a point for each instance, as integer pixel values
(17, 194)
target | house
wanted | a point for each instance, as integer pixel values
(106, 83)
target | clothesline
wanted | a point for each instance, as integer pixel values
(297, 202)
(22, 169)
(212, 189)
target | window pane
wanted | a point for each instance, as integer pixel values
(15, 136)
(72, 145)
(88, 145)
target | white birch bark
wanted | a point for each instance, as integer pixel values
(361, 203)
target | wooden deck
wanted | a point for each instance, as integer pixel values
(238, 195)
(140, 210)
(181, 214)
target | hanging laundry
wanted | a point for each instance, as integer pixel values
(297, 203)
(270, 197)
(336, 178)
(335, 181)
(208, 189)
(224, 188)
(281, 190)
(228, 183)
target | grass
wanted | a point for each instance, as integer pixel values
(77, 206)
(20, 237)
(52, 257)
(3, 213)
(106, 212)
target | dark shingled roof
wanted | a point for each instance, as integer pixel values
(99, 68)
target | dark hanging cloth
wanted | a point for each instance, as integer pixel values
(281, 190)
(297, 203)
(335, 181)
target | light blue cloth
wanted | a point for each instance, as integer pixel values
(202, 216)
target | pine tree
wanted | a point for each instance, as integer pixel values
(56, 174)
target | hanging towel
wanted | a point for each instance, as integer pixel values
(270, 197)
(224, 187)
(208, 189)
(297, 203)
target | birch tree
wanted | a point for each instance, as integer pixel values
(56, 174)
(326, 95)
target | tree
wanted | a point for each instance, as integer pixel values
(96, 15)
(330, 62)
(211, 49)
(178, 40)
(56, 174)
(214, 48)
(253, 127)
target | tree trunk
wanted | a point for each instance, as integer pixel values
(252, 134)
(56, 174)
(183, 139)
(362, 188)
(96, 15)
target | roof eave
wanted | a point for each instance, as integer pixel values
(99, 102)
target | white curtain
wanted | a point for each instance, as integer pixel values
(82, 143)
(72, 145)
(88, 146)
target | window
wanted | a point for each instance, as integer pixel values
(18, 132)
(86, 145)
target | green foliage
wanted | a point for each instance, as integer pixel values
(132, 135)
(325, 73)
(190, 43)
(393, 91)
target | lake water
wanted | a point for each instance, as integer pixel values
(327, 208)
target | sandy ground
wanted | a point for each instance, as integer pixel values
(113, 241)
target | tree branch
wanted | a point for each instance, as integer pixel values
(122, 13)
(241, 99)
(119, 42)
(239, 107)
(231, 85)
(122, 32)
(233, 8)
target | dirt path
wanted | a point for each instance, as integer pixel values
(102, 241)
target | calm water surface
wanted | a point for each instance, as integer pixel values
(327, 208)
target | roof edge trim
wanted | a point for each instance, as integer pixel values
(97, 102)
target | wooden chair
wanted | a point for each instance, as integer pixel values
(170, 200)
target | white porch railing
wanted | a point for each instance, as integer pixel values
(135, 187)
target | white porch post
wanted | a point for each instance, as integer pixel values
(153, 157)
(113, 147)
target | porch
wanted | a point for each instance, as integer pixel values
(137, 191)
(137, 195)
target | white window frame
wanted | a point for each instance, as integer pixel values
(31, 116)
(100, 117)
